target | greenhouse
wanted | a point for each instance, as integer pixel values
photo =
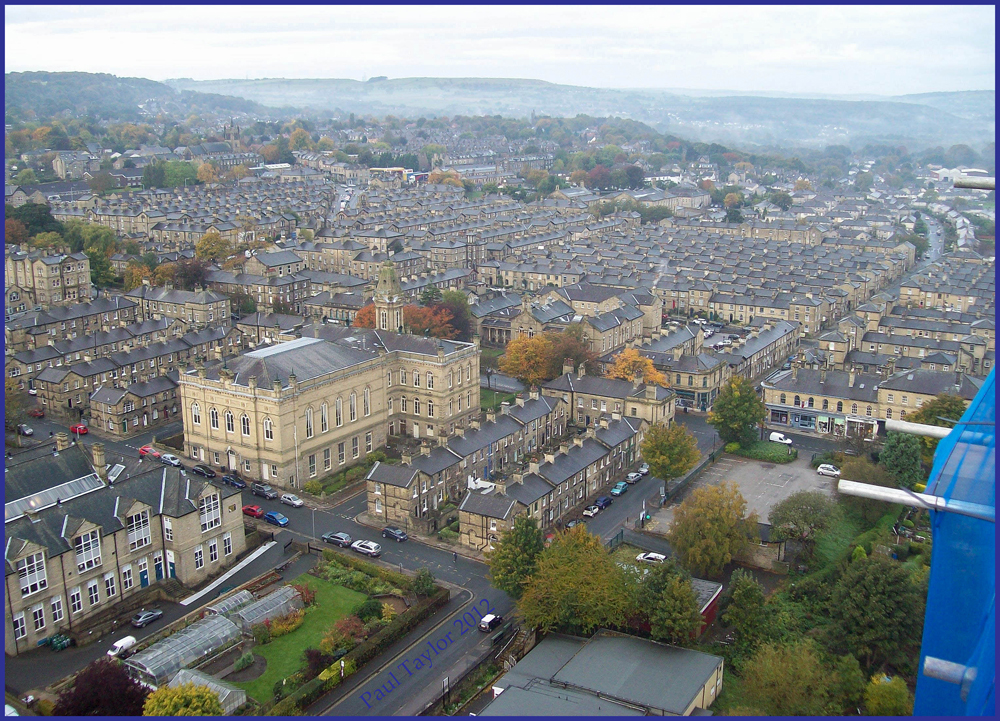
(229, 605)
(230, 696)
(279, 603)
(158, 663)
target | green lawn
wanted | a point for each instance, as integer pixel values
(284, 654)
(491, 400)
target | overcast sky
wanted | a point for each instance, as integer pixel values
(882, 50)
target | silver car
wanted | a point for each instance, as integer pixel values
(369, 548)
(290, 499)
(826, 469)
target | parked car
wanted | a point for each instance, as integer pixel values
(36, 413)
(121, 647)
(253, 511)
(203, 470)
(620, 487)
(148, 451)
(338, 539)
(368, 548)
(32, 392)
(79, 429)
(575, 522)
(490, 621)
(276, 519)
(776, 437)
(290, 499)
(787, 366)
(633, 477)
(263, 490)
(393, 532)
(234, 481)
(589, 512)
(825, 469)
(644, 469)
(651, 557)
(146, 616)
(603, 502)
(25, 430)
(170, 459)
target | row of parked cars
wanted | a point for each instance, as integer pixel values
(619, 489)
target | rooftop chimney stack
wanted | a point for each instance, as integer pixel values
(62, 441)
(97, 453)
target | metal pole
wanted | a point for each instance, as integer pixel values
(916, 500)
(314, 522)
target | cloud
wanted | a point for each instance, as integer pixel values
(849, 49)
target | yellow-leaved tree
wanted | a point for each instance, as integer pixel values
(630, 364)
(527, 359)
(188, 699)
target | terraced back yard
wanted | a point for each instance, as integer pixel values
(284, 654)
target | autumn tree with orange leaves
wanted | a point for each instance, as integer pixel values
(630, 364)
(433, 321)
(365, 318)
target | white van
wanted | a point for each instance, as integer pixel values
(776, 437)
(122, 646)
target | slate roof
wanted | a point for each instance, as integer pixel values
(401, 476)
(306, 358)
(837, 384)
(491, 505)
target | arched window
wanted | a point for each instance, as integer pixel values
(840, 406)
(826, 404)
(268, 430)
(111, 425)
(430, 408)
(324, 418)
(213, 418)
(416, 379)
(339, 412)
(430, 380)
(888, 413)
(868, 411)
(798, 401)
(402, 377)
(388, 376)
(854, 408)
(354, 406)
(389, 405)
(416, 406)
(811, 402)
(902, 415)
(402, 404)
(468, 372)
(309, 422)
(782, 399)
(230, 428)
(368, 401)
(451, 379)
(245, 424)
(196, 414)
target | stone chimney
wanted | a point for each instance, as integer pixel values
(442, 441)
(581, 370)
(62, 441)
(851, 377)
(651, 391)
(822, 375)
(616, 416)
(491, 417)
(425, 448)
(890, 367)
(97, 455)
(637, 380)
(603, 422)
(276, 386)
(533, 394)
(578, 440)
(795, 369)
(474, 424)
(533, 467)
(520, 401)
(567, 365)
(500, 486)
(460, 431)
(518, 479)
(406, 457)
(550, 457)
(505, 408)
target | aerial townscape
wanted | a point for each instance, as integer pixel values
(465, 395)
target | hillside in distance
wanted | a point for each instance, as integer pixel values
(916, 121)
(47, 94)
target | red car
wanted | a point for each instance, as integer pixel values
(79, 428)
(36, 413)
(253, 511)
(149, 451)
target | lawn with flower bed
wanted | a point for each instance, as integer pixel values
(284, 654)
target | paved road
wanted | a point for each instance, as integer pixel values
(128, 447)
(707, 439)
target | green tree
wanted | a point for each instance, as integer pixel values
(26, 177)
(782, 199)
(212, 247)
(944, 406)
(711, 527)
(737, 411)
(514, 558)
(101, 272)
(788, 680)
(800, 516)
(178, 172)
(430, 296)
(103, 688)
(888, 697)
(154, 176)
(576, 588)
(743, 610)
(876, 611)
(102, 183)
(670, 451)
(901, 457)
(863, 181)
(672, 605)
(848, 685)
(423, 583)
(35, 217)
(48, 240)
(456, 302)
(188, 699)
(864, 471)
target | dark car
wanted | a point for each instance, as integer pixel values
(338, 539)
(233, 481)
(146, 617)
(393, 532)
(275, 518)
(203, 471)
(603, 502)
(263, 490)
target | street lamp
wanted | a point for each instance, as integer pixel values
(313, 522)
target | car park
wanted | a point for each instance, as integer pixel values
(633, 477)
(263, 490)
(603, 502)
(203, 470)
(368, 548)
(825, 469)
(148, 451)
(290, 499)
(644, 469)
(589, 512)
(276, 519)
(490, 621)
(146, 616)
(234, 481)
(338, 539)
(620, 488)
(253, 511)
(396, 533)
(79, 429)
(171, 460)
(651, 557)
